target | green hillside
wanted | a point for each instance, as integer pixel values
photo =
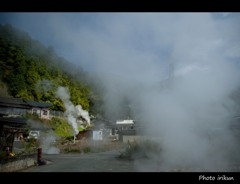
(29, 70)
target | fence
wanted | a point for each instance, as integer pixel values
(56, 113)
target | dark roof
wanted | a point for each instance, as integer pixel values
(20, 103)
(38, 104)
(13, 122)
(13, 102)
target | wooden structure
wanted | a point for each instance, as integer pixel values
(18, 106)
(10, 126)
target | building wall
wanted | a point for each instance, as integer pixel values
(36, 111)
(132, 138)
(45, 114)
(42, 113)
(98, 135)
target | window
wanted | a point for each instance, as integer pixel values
(45, 112)
(34, 111)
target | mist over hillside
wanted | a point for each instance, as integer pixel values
(178, 73)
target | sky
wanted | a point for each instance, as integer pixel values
(130, 42)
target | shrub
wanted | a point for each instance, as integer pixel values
(3, 155)
(72, 150)
(140, 149)
(86, 149)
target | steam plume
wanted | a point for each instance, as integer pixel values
(72, 112)
(188, 111)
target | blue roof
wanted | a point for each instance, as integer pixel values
(38, 104)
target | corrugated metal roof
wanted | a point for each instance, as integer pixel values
(13, 102)
(20, 103)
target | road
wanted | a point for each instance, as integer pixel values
(108, 162)
(91, 162)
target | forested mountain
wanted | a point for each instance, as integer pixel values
(32, 71)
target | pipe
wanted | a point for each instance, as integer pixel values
(39, 155)
(7, 151)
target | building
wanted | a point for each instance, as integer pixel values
(102, 130)
(120, 130)
(17, 106)
(125, 124)
(125, 129)
(9, 128)
(40, 108)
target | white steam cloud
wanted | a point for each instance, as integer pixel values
(178, 70)
(72, 112)
(44, 86)
(191, 117)
(191, 113)
(46, 138)
(47, 142)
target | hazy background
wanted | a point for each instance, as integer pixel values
(176, 71)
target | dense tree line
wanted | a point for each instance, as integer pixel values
(32, 71)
